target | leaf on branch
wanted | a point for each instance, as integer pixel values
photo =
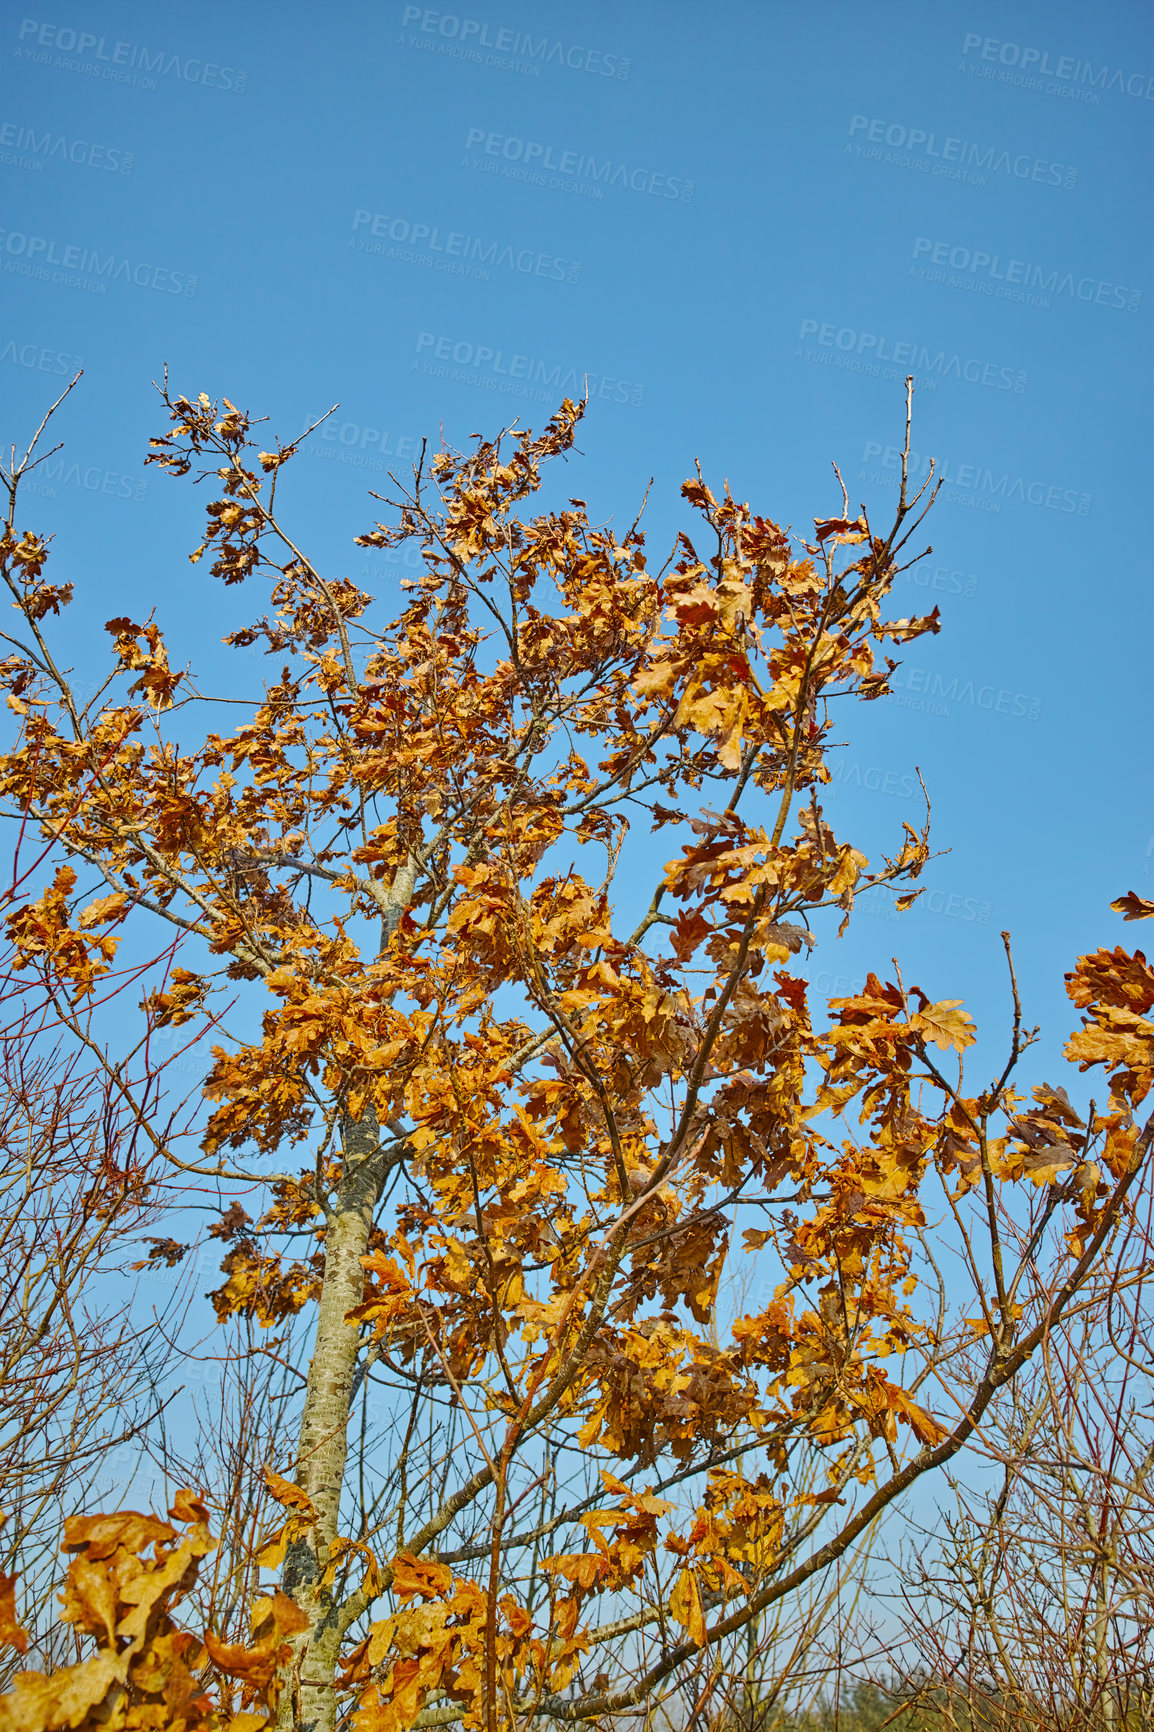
(188, 1506)
(288, 1495)
(1116, 989)
(12, 1635)
(270, 460)
(47, 598)
(1045, 1163)
(255, 1665)
(924, 1426)
(944, 1024)
(905, 630)
(167, 1251)
(123, 1599)
(685, 1606)
(180, 1003)
(339, 1550)
(784, 935)
(690, 930)
(233, 1222)
(302, 1516)
(1056, 1103)
(420, 1577)
(104, 909)
(583, 1569)
(845, 531)
(1133, 907)
(1112, 977)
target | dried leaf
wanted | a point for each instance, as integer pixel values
(1133, 907)
(685, 1607)
(945, 1025)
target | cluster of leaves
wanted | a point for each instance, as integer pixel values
(127, 1577)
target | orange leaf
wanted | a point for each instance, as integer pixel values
(289, 1495)
(11, 1633)
(924, 1426)
(188, 1506)
(420, 1576)
(103, 909)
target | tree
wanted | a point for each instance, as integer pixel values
(1035, 1600)
(539, 1084)
(74, 1371)
(78, 1373)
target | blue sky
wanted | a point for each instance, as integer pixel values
(745, 222)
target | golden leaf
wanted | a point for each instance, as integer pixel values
(685, 1606)
(944, 1024)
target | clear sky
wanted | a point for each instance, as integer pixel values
(746, 222)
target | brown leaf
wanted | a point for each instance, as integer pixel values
(166, 1251)
(188, 1506)
(1133, 907)
(845, 529)
(233, 1222)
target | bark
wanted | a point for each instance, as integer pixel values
(308, 1700)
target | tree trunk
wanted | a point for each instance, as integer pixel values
(1106, 1697)
(308, 1701)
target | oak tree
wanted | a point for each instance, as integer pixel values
(494, 915)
